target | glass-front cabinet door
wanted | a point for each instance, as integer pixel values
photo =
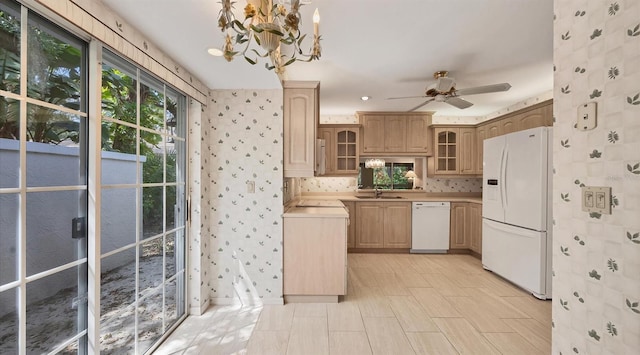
(346, 151)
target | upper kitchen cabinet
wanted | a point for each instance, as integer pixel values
(396, 133)
(536, 117)
(446, 150)
(455, 151)
(341, 148)
(301, 113)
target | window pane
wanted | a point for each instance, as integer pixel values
(175, 114)
(53, 311)
(153, 160)
(50, 236)
(9, 321)
(117, 303)
(54, 154)
(118, 138)
(170, 307)
(119, 168)
(152, 211)
(150, 319)
(9, 47)
(9, 142)
(170, 255)
(151, 107)
(150, 270)
(9, 223)
(118, 218)
(119, 97)
(55, 63)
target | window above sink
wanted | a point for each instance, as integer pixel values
(391, 177)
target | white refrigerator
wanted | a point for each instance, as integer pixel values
(516, 209)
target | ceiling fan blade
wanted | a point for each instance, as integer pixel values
(458, 102)
(422, 104)
(484, 89)
(405, 97)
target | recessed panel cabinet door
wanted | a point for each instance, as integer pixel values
(370, 225)
(373, 134)
(397, 225)
(418, 134)
(395, 133)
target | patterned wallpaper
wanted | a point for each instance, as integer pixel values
(245, 144)
(596, 300)
(350, 184)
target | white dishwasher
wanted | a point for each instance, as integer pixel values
(430, 227)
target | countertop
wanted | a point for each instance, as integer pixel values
(405, 197)
(316, 212)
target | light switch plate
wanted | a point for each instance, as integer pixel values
(596, 199)
(587, 116)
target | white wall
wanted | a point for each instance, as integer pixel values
(49, 214)
(597, 258)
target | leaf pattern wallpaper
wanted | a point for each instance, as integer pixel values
(596, 261)
(243, 142)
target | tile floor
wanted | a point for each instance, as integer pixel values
(396, 304)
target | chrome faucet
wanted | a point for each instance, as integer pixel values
(377, 192)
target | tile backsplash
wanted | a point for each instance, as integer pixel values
(350, 184)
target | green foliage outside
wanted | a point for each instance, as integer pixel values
(55, 76)
(396, 181)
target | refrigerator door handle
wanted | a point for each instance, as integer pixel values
(504, 179)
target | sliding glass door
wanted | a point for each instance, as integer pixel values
(43, 185)
(143, 207)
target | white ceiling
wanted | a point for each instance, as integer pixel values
(376, 48)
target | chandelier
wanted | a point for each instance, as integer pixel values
(374, 163)
(271, 26)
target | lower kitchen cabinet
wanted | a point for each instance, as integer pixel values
(369, 225)
(466, 226)
(475, 226)
(397, 225)
(383, 225)
(314, 256)
(351, 229)
(459, 236)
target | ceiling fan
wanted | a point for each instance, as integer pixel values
(443, 90)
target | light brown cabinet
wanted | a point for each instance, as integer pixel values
(341, 149)
(446, 150)
(475, 227)
(419, 138)
(459, 236)
(466, 226)
(383, 225)
(314, 256)
(373, 134)
(397, 224)
(369, 225)
(481, 135)
(301, 113)
(396, 133)
(351, 229)
(468, 155)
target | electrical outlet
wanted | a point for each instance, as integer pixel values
(251, 187)
(587, 116)
(596, 199)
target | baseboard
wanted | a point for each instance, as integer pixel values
(199, 310)
(224, 301)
